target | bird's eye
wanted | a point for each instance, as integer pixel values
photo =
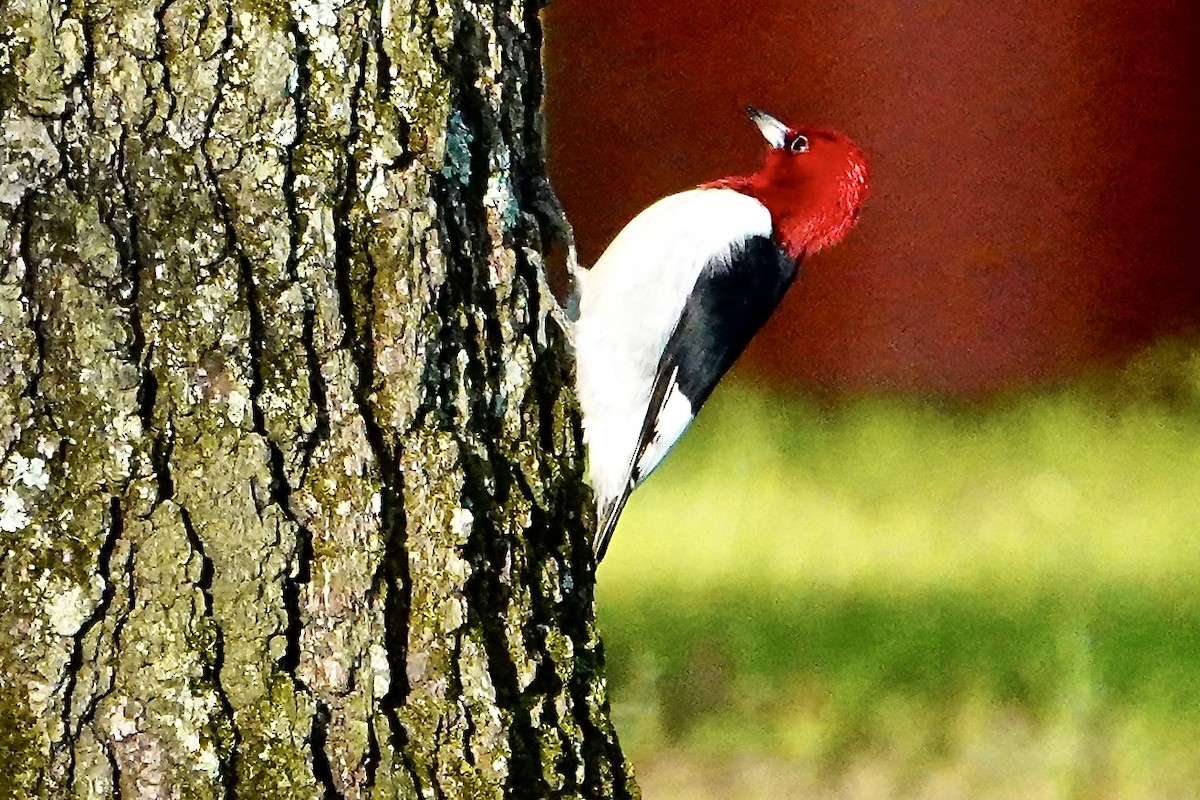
(798, 144)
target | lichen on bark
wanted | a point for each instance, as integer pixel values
(291, 498)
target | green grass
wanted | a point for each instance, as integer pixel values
(881, 598)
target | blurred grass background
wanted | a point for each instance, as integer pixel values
(894, 597)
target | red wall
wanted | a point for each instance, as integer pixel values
(1035, 168)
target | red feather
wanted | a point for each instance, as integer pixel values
(814, 196)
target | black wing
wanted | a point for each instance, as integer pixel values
(733, 298)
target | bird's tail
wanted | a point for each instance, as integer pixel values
(607, 515)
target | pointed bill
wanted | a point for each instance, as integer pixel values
(772, 129)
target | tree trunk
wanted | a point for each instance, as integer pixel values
(291, 477)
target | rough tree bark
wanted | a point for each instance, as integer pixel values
(291, 479)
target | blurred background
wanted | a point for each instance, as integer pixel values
(939, 534)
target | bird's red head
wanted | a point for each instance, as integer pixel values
(814, 181)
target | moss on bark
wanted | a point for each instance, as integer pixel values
(291, 498)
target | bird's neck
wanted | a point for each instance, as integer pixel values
(804, 218)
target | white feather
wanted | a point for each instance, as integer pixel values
(630, 302)
(673, 419)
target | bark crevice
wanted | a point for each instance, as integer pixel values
(212, 667)
(71, 726)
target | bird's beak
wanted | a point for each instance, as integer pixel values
(772, 129)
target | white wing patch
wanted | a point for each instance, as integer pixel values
(673, 419)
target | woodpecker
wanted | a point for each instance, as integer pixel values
(682, 289)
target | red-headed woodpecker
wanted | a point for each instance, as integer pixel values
(684, 287)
